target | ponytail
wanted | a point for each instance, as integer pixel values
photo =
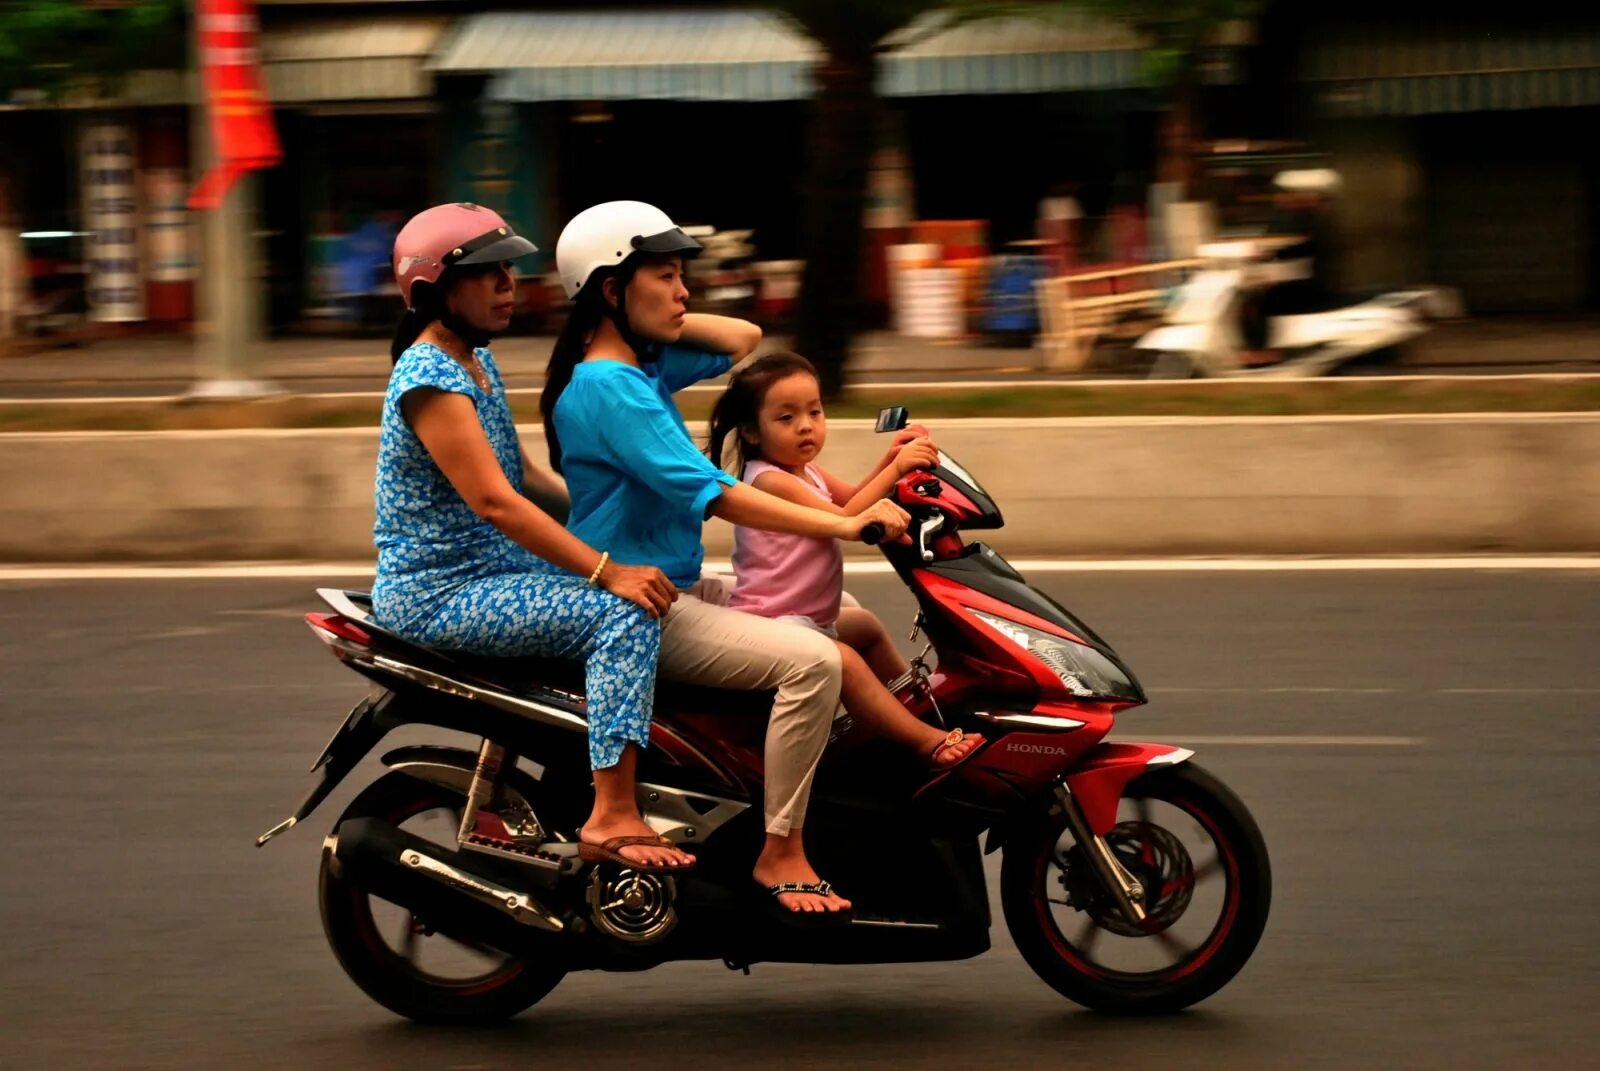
(740, 405)
(571, 345)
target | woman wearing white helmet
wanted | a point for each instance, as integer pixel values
(465, 561)
(641, 489)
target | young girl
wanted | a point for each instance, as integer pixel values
(773, 411)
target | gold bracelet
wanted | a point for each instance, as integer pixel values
(594, 577)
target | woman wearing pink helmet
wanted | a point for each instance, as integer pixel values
(467, 562)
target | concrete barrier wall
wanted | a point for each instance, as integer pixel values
(1102, 487)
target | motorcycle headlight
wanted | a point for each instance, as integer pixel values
(1083, 670)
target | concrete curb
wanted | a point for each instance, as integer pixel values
(1118, 487)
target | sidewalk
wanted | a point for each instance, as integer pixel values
(166, 364)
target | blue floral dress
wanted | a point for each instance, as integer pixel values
(448, 579)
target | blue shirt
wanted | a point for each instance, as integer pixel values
(639, 487)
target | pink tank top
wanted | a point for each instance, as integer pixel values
(783, 575)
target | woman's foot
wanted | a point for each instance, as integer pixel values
(951, 749)
(784, 861)
(616, 814)
(596, 833)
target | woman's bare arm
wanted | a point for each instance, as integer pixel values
(793, 489)
(720, 334)
(744, 504)
(447, 425)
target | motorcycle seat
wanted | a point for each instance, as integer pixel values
(551, 680)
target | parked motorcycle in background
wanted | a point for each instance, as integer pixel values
(1263, 305)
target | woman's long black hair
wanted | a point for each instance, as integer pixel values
(740, 405)
(588, 309)
(427, 306)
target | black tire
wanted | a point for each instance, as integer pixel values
(391, 979)
(1241, 860)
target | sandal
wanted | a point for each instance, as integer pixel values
(815, 888)
(951, 739)
(611, 852)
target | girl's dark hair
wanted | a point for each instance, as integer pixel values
(428, 306)
(740, 405)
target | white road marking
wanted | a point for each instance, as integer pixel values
(1295, 690)
(1299, 741)
(860, 567)
(1010, 424)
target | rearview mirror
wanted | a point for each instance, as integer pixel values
(893, 418)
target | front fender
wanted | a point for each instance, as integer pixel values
(1097, 781)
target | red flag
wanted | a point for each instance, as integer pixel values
(241, 115)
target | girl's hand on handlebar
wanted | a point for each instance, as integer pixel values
(644, 585)
(917, 454)
(893, 519)
(908, 433)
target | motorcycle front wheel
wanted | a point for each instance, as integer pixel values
(403, 964)
(1198, 854)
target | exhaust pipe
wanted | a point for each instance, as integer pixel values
(423, 877)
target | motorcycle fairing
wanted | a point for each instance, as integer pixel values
(1100, 776)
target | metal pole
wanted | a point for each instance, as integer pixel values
(225, 282)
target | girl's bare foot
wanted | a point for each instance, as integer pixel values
(947, 749)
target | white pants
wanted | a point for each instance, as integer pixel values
(705, 642)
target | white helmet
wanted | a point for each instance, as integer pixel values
(607, 234)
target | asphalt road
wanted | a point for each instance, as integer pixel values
(1419, 749)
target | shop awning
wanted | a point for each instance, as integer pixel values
(350, 59)
(1462, 67)
(760, 56)
(1011, 55)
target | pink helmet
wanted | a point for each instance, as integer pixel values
(447, 235)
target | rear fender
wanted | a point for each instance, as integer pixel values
(1098, 780)
(452, 768)
(370, 721)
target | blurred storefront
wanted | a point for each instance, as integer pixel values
(360, 125)
(1461, 141)
(706, 111)
(96, 197)
(385, 106)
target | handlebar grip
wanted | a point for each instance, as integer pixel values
(872, 534)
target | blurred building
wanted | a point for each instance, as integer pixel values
(387, 105)
(1462, 138)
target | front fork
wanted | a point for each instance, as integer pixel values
(1124, 888)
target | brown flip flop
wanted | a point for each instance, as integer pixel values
(611, 852)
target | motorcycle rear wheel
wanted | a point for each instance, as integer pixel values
(1043, 871)
(400, 981)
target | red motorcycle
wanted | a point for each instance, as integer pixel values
(451, 887)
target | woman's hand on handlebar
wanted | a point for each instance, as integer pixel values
(642, 584)
(882, 512)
